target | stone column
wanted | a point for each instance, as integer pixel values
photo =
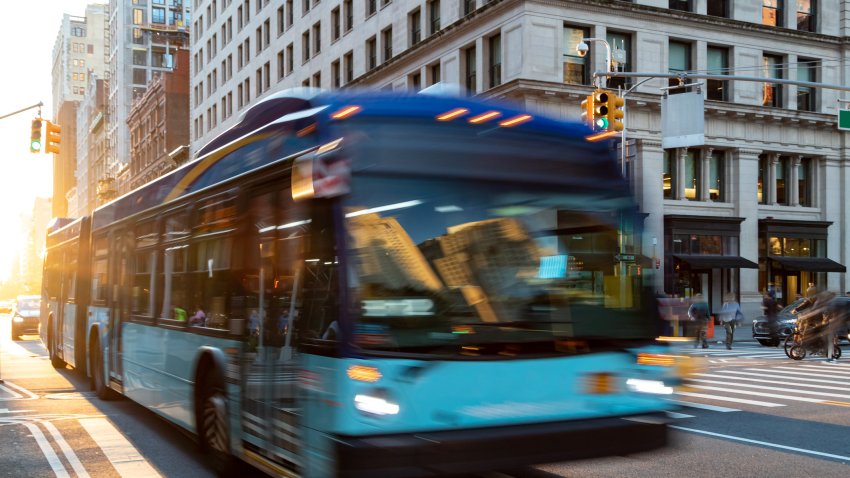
(770, 178)
(681, 154)
(705, 176)
(743, 189)
(792, 186)
(649, 191)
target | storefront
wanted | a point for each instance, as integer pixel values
(793, 254)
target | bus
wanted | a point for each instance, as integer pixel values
(369, 284)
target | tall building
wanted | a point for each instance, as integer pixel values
(91, 146)
(142, 39)
(761, 202)
(77, 54)
(158, 123)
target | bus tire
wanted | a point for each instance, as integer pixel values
(97, 372)
(213, 429)
(51, 346)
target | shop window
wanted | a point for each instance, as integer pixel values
(669, 174)
(715, 176)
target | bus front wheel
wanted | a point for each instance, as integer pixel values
(51, 347)
(213, 434)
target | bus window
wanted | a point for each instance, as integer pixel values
(70, 274)
(174, 280)
(99, 270)
(141, 303)
(211, 269)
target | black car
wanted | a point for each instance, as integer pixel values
(25, 316)
(786, 321)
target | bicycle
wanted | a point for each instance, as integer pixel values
(798, 345)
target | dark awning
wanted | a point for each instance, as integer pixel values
(698, 262)
(808, 264)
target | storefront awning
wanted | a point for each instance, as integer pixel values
(808, 264)
(699, 262)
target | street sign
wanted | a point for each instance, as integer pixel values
(844, 120)
(682, 120)
(624, 257)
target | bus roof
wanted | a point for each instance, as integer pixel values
(295, 112)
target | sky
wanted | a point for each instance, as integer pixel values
(27, 33)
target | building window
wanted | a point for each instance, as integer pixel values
(621, 49)
(772, 12)
(415, 21)
(468, 7)
(718, 8)
(576, 71)
(348, 64)
(348, 13)
(371, 7)
(157, 15)
(415, 81)
(371, 53)
(317, 38)
(806, 15)
(804, 185)
(138, 16)
(783, 165)
(669, 174)
(387, 43)
(683, 5)
(806, 71)
(495, 47)
(281, 65)
(692, 177)
(335, 26)
(772, 93)
(762, 179)
(290, 13)
(718, 64)
(305, 46)
(679, 61)
(317, 79)
(715, 176)
(434, 73)
(470, 72)
(434, 16)
(281, 26)
(290, 58)
(335, 78)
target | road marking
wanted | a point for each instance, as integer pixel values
(776, 389)
(763, 443)
(782, 376)
(713, 408)
(678, 415)
(822, 368)
(837, 404)
(67, 450)
(794, 371)
(18, 396)
(748, 379)
(6, 410)
(120, 452)
(52, 459)
(760, 394)
(730, 399)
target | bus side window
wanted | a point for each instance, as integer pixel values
(321, 287)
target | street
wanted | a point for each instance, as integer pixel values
(750, 411)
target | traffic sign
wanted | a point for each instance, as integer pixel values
(844, 120)
(624, 257)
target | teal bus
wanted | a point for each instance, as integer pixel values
(371, 284)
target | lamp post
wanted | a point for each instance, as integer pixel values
(582, 50)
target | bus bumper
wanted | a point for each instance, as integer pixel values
(489, 449)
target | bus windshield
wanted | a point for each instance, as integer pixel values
(447, 263)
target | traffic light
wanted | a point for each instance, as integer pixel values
(587, 110)
(52, 138)
(615, 112)
(600, 109)
(35, 136)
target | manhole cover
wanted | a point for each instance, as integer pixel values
(69, 395)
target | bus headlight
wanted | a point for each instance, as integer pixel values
(375, 405)
(656, 387)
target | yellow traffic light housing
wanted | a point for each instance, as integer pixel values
(600, 109)
(615, 112)
(52, 138)
(587, 110)
(35, 136)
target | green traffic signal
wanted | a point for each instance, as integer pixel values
(35, 146)
(602, 123)
(35, 136)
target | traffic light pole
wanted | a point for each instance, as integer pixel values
(37, 105)
(706, 76)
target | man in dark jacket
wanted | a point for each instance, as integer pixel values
(698, 312)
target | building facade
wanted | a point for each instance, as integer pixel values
(91, 146)
(762, 202)
(142, 37)
(158, 123)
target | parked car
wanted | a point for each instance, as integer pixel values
(6, 306)
(25, 315)
(786, 321)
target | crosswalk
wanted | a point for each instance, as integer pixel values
(767, 385)
(746, 350)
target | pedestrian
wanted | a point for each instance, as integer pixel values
(771, 307)
(731, 316)
(811, 291)
(698, 312)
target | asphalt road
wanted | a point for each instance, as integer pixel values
(746, 412)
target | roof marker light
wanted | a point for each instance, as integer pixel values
(450, 115)
(346, 112)
(485, 117)
(601, 136)
(515, 120)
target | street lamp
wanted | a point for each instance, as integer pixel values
(582, 48)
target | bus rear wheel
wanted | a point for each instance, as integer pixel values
(51, 347)
(97, 371)
(213, 434)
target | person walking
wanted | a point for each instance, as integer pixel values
(730, 316)
(771, 308)
(812, 291)
(698, 312)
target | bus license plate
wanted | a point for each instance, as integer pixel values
(599, 383)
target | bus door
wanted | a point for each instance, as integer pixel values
(119, 305)
(270, 409)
